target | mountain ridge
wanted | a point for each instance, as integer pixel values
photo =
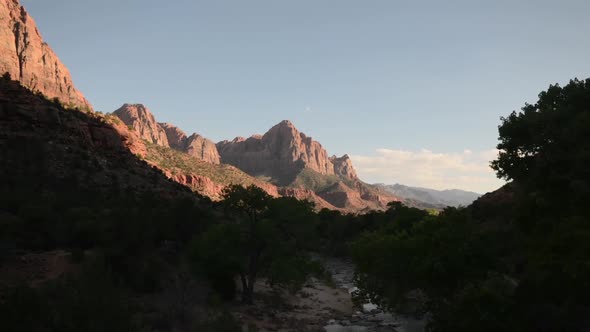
(436, 198)
(283, 161)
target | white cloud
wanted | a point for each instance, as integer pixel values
(467, 170)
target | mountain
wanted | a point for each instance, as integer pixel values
(28, 59)
(432, 197)
(283, 162)
(280, 155)
(142, 121)
(288, 158)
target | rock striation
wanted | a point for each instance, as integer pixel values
(28, 59)
(281, 154)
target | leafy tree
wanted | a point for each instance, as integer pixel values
(264, 237)
(546, 148)
(480, 270)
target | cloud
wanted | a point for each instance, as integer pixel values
(467, 170)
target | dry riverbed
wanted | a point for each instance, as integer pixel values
(320, 306)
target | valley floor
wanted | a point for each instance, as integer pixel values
(321, 306)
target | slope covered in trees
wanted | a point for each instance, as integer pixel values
(515, 260)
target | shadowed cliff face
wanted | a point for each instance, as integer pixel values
(46, 148)
(281, 154)
(28, 59)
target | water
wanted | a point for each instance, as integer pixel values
(370, 318)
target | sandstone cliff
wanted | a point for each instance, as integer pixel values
(281, 154)
(202, 148)
(28, 59)
(343, 167)
(142, 121)
(291, 159)
(176, 137)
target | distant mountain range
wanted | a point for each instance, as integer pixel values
(430, 198)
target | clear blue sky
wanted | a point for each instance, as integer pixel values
(355, 75)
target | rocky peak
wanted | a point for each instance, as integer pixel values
(142, 121)
(176, 137)
(144, 124)
(202, 148)
(28, 59)
(343, 167)
(281, 153)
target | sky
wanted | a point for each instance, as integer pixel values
(413, 91)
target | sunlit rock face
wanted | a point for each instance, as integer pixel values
(28, 59)
(281, 153)
(142, 121)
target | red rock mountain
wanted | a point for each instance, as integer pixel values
(293, 163)
(28, 59)
(291, 159)
(176, 137)
(202, 148)
(142, 121)
(281, 154)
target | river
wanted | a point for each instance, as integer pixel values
(369, 318)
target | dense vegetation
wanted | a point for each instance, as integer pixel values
(139, 260)
(497, 266)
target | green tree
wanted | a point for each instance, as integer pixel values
(525, 269)
(546, 147)
(264, 237)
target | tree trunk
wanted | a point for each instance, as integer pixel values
(247, 290)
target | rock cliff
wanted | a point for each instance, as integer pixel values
(291, 159)
(142, 121)
(281, 154)
(28, 59)
(202, 148)
(176, 137)
(343, 167)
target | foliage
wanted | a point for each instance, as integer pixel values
(546, 149)
(264, 237)
(481, 269)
